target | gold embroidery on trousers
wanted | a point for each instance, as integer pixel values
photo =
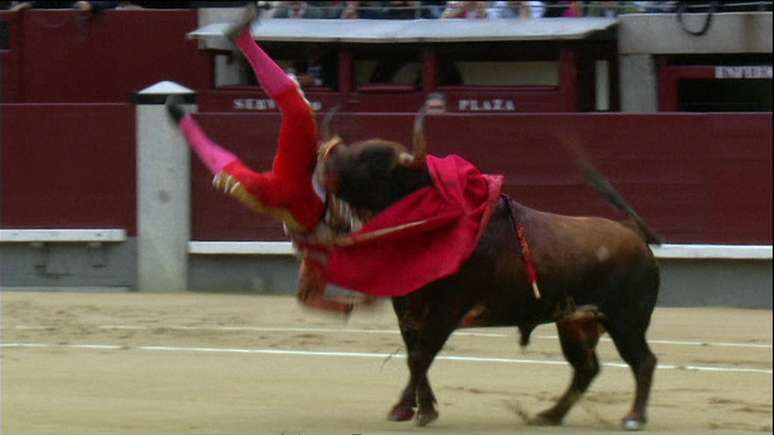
(226, 183)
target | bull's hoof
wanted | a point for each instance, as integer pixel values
(633, 423)
(425, 417)
(544, 419)
(401, 413)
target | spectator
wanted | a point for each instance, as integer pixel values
(465, 9)
(432, 9)
(86, 6)
(373, 10)
(435, 103)
(574, 10)
(402, 10)
(163, 4)
(297, 9)
(318, 70)
(656, 7)
(351, 10)
(609, 9)
(516, 9)
(333, 9)
(563, 9)
(226, 4)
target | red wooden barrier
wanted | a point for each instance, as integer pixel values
(68, 166)
(696, 178)
(69, 56)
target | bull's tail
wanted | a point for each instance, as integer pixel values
(604, 188)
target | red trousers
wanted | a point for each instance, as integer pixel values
(287, 191)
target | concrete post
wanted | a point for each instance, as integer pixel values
(639, 83)
(163, 193)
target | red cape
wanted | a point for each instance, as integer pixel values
(450, 218)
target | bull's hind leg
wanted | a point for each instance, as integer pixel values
(635, 351)
(579, 338)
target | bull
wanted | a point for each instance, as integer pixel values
(596, 275)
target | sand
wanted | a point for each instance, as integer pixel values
(195, 363)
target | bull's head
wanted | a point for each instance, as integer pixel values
(375, 173)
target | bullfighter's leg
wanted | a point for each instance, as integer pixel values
(634, 349)
(311, 289)
(579, 339)
(289, 185)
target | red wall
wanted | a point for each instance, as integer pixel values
(696, 178)
(68, 56)
(67, 166)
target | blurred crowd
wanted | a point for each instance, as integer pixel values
(413, 9)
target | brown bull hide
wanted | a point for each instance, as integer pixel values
(604, 267)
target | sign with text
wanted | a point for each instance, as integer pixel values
(261, 104)
(743, 72)
(486, 105)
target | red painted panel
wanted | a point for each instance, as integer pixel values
(68, 166)
(105, 57)
(696, 178)
(10, 58)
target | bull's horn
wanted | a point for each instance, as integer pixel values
(419, 150)
(325, 130)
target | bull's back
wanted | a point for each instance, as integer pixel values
(589, 259)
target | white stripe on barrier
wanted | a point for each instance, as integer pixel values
(366, 355)
(63, 235)
(736, 252)
(241, 248)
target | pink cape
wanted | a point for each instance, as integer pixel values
(451, 217)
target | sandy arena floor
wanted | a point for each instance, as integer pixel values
(81, 363)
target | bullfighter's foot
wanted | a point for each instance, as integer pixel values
(174, 108)
(426, 416)
(545, 418)
(401, 412)
(249, 14)
(633, 422)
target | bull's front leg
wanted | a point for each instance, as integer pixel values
(409, 322)
(405, 408)
(424, 334)
(418, 394)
